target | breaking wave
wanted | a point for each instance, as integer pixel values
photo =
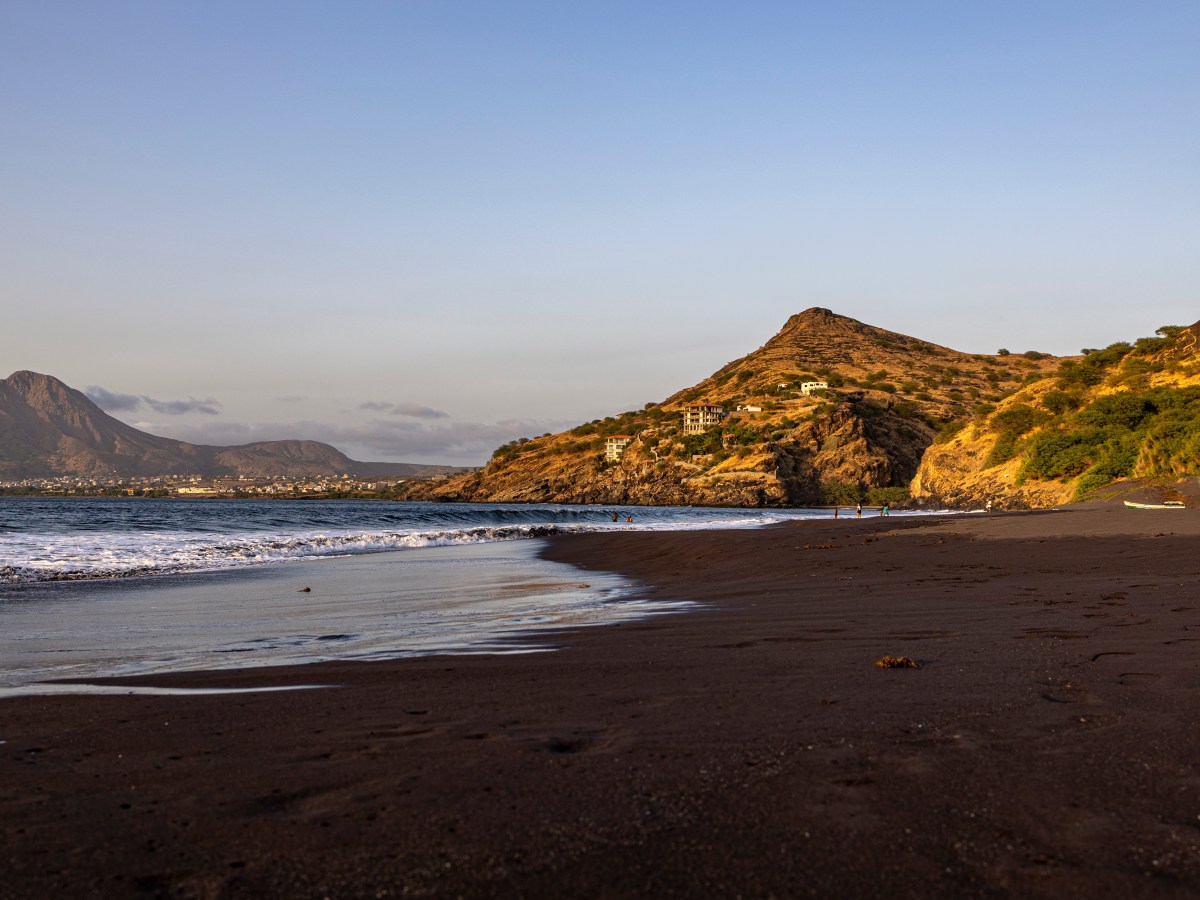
(92, 556)
(70, 539)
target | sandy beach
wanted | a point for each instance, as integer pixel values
(1045, 747)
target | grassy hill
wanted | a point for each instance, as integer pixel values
(1129, 410)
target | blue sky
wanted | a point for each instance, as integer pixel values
(419, 229)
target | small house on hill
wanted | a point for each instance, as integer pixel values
(808, 387)
(615, 446)
(700, 417)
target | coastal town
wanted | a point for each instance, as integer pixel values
(343, 486)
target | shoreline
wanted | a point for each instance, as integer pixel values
(1044, 748)
(467, 598)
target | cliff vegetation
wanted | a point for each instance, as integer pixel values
(1129, 410)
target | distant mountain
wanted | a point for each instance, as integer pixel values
(48, 429)
(784, 442)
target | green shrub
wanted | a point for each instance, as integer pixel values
(1109, 356)
(1150, 345)
(841, 493)
(1089, 482)
(888, 496)
(1059, 402)
(702, 443)
(1078, 375)
(1117, 435)
(1017, 419)
(1060, 454)
(1125, 410)
(1010, 425)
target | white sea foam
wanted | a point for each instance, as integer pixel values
(120, 551)
(116, 555)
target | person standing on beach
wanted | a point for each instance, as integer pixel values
(989, 505)
(858, 510)
(614, 517)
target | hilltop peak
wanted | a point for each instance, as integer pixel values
(824, 337)
(814, 313)
(817, 317)
(24, 378)
(46, 393)
(820, 324)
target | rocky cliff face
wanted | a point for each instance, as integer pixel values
(887, 394)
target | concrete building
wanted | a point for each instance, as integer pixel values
(701, 416)
(615, 446)
(809, 386)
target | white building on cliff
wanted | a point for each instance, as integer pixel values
(615, 446)
(702, 416)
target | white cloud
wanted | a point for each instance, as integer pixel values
(413, 410)
(388, 440)
(111, 402)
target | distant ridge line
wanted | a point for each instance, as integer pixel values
(49, 429)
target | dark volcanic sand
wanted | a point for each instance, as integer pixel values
(1047, 746)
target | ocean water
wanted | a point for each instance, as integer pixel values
(62, 539)
(101, 587)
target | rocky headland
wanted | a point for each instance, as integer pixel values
(834, 411)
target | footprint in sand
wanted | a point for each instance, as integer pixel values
(1133, 679)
